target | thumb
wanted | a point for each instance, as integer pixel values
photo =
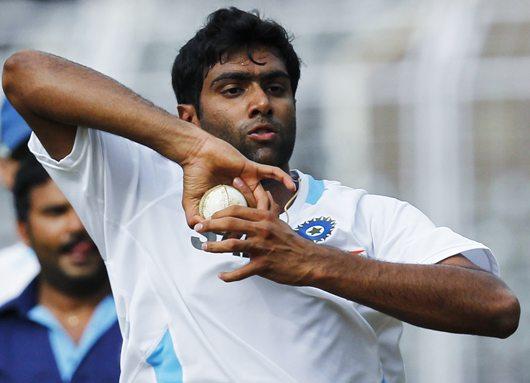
(243, 272)
(191, 209)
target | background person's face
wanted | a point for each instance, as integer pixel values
(251, 106)
(69, 259)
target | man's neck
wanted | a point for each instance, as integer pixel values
(50, 296)
(72, 312)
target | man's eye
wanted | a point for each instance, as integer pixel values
(55, 211)
(276, 89)
(232, 91)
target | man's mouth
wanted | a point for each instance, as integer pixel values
(263, 132)
(80, 251)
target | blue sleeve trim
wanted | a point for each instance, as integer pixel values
(316, 189)
(165, 362)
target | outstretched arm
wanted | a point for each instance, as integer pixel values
(55, 96)
(455, 296)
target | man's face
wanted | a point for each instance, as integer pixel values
(69, 259)
(251, 106)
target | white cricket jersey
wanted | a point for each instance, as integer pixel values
(181, 323)
(18, 267)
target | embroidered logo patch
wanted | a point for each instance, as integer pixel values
(316, 229)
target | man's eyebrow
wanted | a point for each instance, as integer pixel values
(244, 76)
(274, 74)
(51, 207)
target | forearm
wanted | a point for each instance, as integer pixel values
(59, 91)
(442, 297)
(446, 298)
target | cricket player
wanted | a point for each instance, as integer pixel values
(318, 299)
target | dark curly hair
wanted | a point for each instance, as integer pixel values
(30, 175)
(228, 30)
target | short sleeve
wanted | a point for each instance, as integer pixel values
(79, 175)
(109, 179)
(84, 139)
(402, 233)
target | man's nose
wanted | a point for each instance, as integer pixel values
(259, 103)
(74, 223)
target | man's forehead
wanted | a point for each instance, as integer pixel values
(47, 193)
(263, 60)
(260, 55)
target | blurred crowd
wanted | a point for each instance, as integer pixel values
(57, 317)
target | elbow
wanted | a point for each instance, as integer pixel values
(16, 70)
(505, 315)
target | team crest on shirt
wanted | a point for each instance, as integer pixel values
(316, 229)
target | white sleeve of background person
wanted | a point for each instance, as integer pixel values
(402, 233)
(18, 267)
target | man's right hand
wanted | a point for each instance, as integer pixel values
(214, 162)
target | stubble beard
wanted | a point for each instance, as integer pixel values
(78, 287)
(74, 286)
(277, 153)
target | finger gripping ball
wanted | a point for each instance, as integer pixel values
(218, 198)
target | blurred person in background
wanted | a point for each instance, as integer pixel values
(299, 311)
(63, 326)
(18, 265)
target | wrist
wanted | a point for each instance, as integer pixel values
(318, 261)
(332, 266)
(180, 140)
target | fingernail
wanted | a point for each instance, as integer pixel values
(238, 181)
(204, 246)
(197, 227)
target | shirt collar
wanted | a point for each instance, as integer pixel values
(21, 304)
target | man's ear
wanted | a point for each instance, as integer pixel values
(23, 232)
(8, 171)
(188, 113)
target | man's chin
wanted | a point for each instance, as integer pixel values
(78, 283)
(273, 154)
(266, 156)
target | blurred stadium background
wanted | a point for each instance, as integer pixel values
(426, 101)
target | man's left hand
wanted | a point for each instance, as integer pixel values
(276, 251)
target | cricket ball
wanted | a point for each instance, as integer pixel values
(218, 198)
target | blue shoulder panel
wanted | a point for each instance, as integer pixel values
(316, 189)
(165, 362)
